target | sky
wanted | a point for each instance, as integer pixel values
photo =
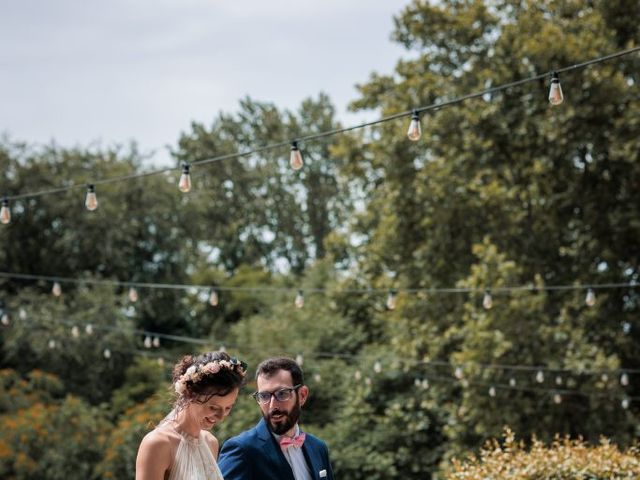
(98, 74)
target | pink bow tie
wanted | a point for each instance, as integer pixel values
(297, 441)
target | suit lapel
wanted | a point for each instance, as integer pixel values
(277, 464)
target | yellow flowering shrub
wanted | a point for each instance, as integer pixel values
(564, 459)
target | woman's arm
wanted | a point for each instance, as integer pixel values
(154, 457)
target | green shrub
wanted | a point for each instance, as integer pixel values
(565, 459)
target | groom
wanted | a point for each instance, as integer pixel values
(276, 449)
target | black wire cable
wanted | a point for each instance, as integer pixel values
(332, 132)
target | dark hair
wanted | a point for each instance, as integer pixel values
(271, 366)
(221, 383)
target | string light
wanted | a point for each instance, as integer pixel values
(415, 130)
(512, 382)
(185, 179)
(328, 133)
(558, 380)
(357, 375)
(625, 403)
(590, 298)
(540, 376)
(91, 200)
(624, 380)
(5, 211)
(106, 353)
(392, 300)
(299, 359)
(487, 301)
(5, 319)
(156, 342)
(555, 90)
(88, 329)
(295, 158)
(75, 331)
(492, 391)
(299, 300)
(557, 398)
(51, 344)
(458, 373)
(56, 290)
(147, 342)
(213, 298)
(377, 367)
(133, 295)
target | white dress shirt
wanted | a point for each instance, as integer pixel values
(296, 460)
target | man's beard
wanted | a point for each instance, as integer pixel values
(287, 422)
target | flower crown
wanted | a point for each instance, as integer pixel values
(196, 372)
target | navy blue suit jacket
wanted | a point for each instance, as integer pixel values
(256, 455)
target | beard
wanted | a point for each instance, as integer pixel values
(286, 423)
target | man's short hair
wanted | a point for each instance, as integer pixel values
(272, 366)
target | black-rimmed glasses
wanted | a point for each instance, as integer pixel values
(281, 395)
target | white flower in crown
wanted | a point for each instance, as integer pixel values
(180, 387)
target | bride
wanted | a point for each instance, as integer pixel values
(181, 446)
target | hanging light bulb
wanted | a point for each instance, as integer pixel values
(417, 382)
(299, 301)
(557, 398)
(89, 329)
(425, 384)
(367, 381)
(147, 342)
(624, 379)
(213, 298)
(377, 367)
(5, 319)
(5, 211)
(392, 299)
(555, 90)
(75, 331)
(299, 359)
(52, 344)
(604, 377)
(625, 403)
(317, 377)
(590, 298)
(540, 376)
(22, 314)
(492, 391)
(512, 382)
(91, 200)
(295, 159)
(133, 295)
(357, 375)
(487, 301)
(458, 373)
(185, 179)
(558, 380)
(415, 130)
(56, 290)
(106, 353)
(156, 342)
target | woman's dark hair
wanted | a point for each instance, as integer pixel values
(208, 384)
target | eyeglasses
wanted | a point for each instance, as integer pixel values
(281, 395)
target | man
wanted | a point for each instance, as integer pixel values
(276, 449)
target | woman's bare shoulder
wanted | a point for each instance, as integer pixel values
(213, 443)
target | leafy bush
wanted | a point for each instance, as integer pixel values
(565, 459)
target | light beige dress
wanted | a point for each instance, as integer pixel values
(193, 460)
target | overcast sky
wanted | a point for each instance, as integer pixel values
(107, 72)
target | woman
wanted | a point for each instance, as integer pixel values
(181, 446)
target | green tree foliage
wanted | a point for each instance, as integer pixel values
(49, 438)
(256, 210)
(506, 190)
